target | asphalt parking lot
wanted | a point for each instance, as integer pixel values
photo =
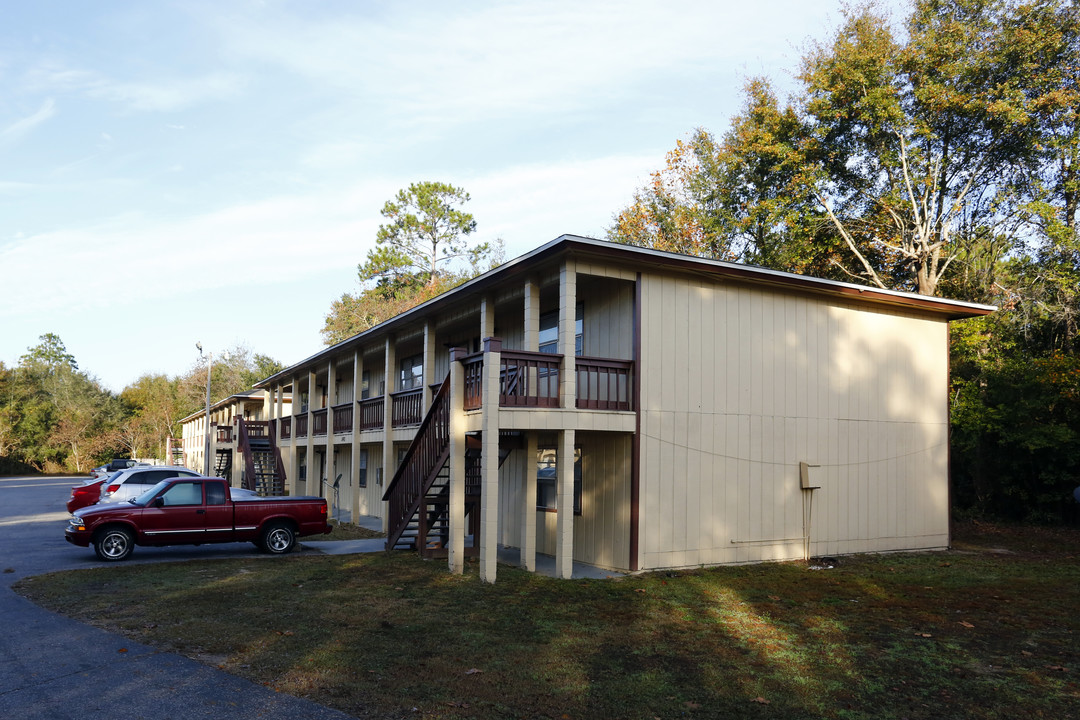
(54, 668)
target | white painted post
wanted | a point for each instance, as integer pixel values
(564, 549)
(528, 506)
(489, 461)
(389, 461)
(456, 549)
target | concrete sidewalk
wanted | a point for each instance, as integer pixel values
(545, 564)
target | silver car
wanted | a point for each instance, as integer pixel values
(134, 481)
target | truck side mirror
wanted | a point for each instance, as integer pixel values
(159, 502)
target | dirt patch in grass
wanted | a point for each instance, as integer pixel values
(348, 531)
(971, 633)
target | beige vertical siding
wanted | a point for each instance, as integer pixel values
(370, 498)
(741, 384)
(608, 324)
(347, 486)
(602, 531)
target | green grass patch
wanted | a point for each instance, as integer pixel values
(988, 630)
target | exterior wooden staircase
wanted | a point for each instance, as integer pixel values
(223, 463)
(264, 470)
(418, 497)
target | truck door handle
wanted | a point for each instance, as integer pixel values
(200, 511)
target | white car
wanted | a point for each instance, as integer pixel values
(134, 481)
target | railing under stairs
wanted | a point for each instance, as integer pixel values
(264, 471)
(223, 463)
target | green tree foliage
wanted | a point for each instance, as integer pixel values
(421, 252)
(1016, 427)
(425, 232)
(56, 418)
(52, 416)
(938, 155)
(232, 372)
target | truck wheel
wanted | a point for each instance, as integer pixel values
(278, 539)
(114, 544)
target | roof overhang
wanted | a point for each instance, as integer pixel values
(604, 251)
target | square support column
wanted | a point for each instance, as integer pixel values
(456, 550)
(487, 317)
(567, 335)
(489, 461)
(389, 461)
(358, 376)
(313, 484)
(428, 366)
(331, 463)
(564, 547)
(294, 446)
(528, 506)
(532, 316)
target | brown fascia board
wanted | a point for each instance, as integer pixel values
(752, 274)
(246, 395)
(603, 250)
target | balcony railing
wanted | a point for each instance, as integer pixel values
(224, 433)
(371, 414)
(408, 407)
(343, 418)
(255, 429)
(473, 365)
(604, 384)
(318, 422)
(301, 425)
(531, 379)
(285, 425)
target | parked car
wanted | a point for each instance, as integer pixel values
(86, 494)
(115, 465)
(134, 481)
(195, 511)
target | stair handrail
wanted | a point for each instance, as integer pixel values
(425, 456)
(244, 447)
(279, 464)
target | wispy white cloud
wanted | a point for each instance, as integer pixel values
(460, 62)
(296, 237)
(24, 126)
(169, 93)
(156, 95)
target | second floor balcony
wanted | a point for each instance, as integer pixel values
(526, 380)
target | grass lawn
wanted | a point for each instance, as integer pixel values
(990, 629)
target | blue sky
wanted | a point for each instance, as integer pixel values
(214, 171)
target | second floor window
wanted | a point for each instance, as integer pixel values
(549, 331)
(411, 373)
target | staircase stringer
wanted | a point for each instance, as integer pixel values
(244, 447)
(428, 452)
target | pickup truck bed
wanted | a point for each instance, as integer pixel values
(194, 511)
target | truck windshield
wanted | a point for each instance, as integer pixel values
(144, 499)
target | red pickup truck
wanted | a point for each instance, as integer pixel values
(194, 511)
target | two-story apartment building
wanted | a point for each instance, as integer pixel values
(224, 434)
(634, 410)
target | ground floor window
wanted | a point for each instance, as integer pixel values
(547, 479)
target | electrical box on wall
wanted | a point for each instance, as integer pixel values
(807, 477)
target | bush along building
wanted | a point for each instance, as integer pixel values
(633, 410)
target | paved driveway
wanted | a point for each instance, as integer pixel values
(53, 668)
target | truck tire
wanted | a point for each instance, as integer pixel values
(278, 538)
(114, 543)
